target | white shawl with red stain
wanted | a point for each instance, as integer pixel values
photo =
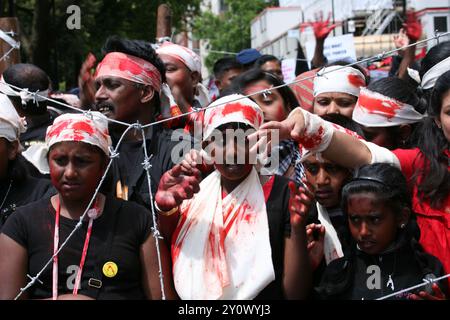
(221, 247)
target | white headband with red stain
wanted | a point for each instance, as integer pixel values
(374, 109)
(339, 79)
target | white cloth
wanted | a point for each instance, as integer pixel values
(431, 76)
(185, 55)
(339, 79)
(332, 245)
(11, 125)
(374, 109)
(221, 246)
(71, 127)
(24, 94)
(381, 155)
(230, 109)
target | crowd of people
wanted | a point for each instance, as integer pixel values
(357, 206)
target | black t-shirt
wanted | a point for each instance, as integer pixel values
(277, 207)
(128, 168)
(117, 236)
(22, 192)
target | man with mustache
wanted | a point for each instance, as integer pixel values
(128, 84)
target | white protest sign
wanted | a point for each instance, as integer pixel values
(334, 48)
(288, 69)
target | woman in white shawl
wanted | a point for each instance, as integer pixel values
(238, 235)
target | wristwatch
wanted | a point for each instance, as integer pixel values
(166, 213)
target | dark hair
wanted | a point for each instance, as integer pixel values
(433, 57)
(31, 77)
(344, 122)
(240, 83)
(225, 64)
(265, 58)
(402, 91)
(385, 181)
(434, 178)
(141, 49)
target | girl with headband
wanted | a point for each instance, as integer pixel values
(111, 256)
(236, 234)
(336, 89)
(426, 167)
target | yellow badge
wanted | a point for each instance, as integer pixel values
(110, 269)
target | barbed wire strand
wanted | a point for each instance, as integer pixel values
(376, 57)
(156, 234)
(7, 53)
(422, 284)
(137, 125)
(79, 224)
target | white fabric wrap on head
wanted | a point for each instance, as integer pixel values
(24, 94)
(374, 109)
(431, 76)
(91, 129)
(11, 125)
(339, 79)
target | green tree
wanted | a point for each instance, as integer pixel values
(48, 43)
(229, 31)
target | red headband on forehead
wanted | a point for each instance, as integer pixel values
(122, 65)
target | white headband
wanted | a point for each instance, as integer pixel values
(185, 55)
(431, 76)
(11, 125)
(374, 109)
(24, 94)
(339, 79)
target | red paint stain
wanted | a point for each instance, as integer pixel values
(313, 140)
(248, 112)
(375, 106)
(356, 81)
(84, 127)
(58, 128)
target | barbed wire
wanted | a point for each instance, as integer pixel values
(422, 284)
(146, 164)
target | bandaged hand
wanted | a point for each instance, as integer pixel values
(299, 203)
(176, 185)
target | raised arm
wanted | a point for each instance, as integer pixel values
(13, 268)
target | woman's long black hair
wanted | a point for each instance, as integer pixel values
(434, 178)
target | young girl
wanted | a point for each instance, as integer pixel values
(426, 167)
(113, 254)
(385, 256)
(239, 235)
(276, 105)
(388, 110)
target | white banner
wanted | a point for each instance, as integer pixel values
(334, 48)
(288, 69)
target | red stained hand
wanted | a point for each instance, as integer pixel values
(176, 185)
(322, 28)
(413, 28)
(423, 295)
(315, 246)
(86, 81)
(299, 204)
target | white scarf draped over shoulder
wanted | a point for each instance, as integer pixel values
(221, 247)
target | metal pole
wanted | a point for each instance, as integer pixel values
(332, 11)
